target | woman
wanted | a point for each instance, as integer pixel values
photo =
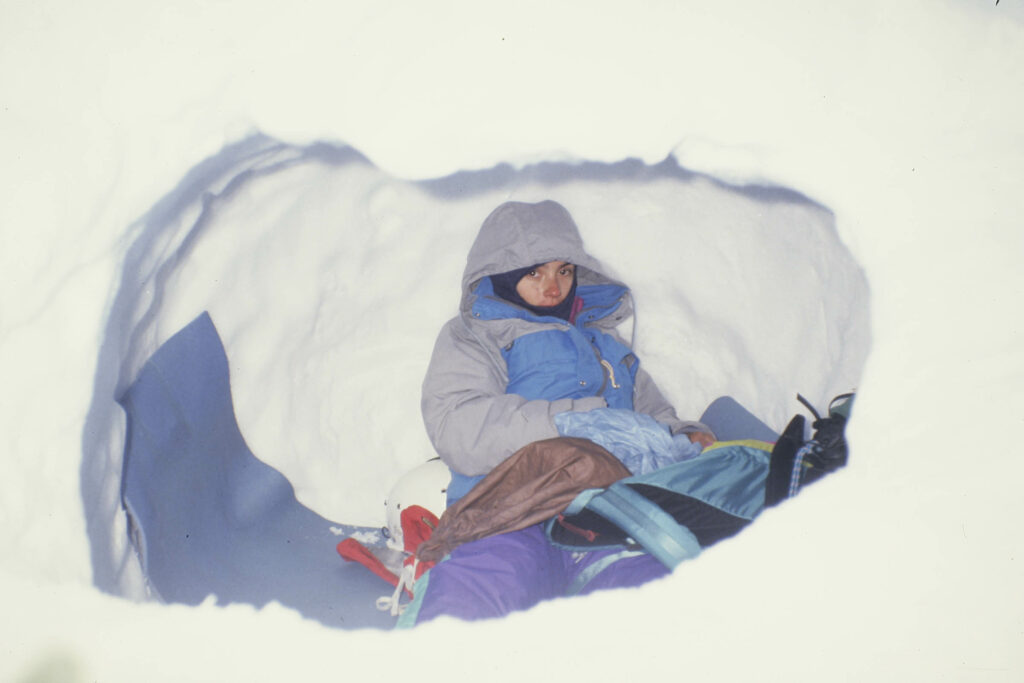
(535, 336)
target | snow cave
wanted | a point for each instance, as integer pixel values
(290, 279)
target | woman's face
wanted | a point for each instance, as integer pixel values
(547, 285)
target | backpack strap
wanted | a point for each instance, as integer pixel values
(588, 574)
(646, 523)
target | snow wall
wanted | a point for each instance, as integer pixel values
(328, 280)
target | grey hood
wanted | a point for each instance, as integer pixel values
(518, 235)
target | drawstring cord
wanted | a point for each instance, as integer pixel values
(393, 603)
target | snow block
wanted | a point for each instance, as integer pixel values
(207, 517)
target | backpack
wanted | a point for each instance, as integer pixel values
(675, 512)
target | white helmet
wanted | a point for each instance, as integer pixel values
(425, 485)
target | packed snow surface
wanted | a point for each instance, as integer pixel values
(802, 197)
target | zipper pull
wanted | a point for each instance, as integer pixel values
(611, 373)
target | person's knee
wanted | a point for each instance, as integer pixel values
(494, 576)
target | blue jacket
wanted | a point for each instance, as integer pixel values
(571, 360)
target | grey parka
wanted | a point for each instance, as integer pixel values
(471, 421)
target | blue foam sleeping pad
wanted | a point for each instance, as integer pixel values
(207, 517)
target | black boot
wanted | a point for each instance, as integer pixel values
(796, 462)
(827, 448)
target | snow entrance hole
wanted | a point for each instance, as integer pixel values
(328, 281)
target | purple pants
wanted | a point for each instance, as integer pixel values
(514, 571)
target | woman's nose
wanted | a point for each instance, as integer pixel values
(551, 288)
